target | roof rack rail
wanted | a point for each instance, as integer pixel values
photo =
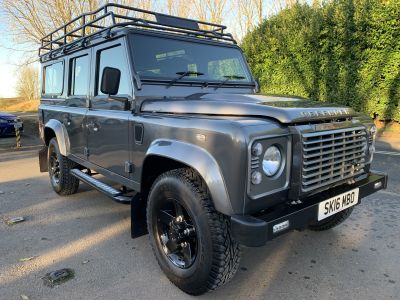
(77, 32)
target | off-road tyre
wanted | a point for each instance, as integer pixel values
(66, 184)
(218, 254)
(331, 221)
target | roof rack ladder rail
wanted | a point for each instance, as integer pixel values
(50, 40)
(186, 30)
(90, 24)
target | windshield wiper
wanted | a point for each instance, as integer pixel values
(228, 78)
(184, 74)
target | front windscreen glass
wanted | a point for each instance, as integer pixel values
(166, 59)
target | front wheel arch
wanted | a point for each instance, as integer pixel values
(154, 166)
(181, 154)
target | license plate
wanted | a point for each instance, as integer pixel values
(336, 204)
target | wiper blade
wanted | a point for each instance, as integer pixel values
(184, 74)
(228, 78)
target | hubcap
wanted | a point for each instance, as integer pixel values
(54, 168)
(177, 234)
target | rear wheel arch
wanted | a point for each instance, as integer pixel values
(55, 128)
(48, 135)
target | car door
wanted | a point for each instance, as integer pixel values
(107, 120)
(76, 100)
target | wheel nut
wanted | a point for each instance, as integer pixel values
(188, 231)
(164, 239)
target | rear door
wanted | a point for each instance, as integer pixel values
(76, 100)
(107, 120)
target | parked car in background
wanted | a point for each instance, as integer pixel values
(8, 123)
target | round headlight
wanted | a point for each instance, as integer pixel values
(371, 149)
(373, 131)
(272, 161)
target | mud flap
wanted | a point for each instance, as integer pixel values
(43, 165)
(138, 217)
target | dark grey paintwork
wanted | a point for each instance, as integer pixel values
(283, 109)
(208, 129)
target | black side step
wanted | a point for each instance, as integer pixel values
(102, 187)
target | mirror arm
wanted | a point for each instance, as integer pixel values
(124, 100)
(257, 85)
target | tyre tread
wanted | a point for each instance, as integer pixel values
(69, 184)
(226, 251)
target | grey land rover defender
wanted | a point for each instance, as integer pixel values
(167, 109)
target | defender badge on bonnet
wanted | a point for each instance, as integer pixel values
(326, 113)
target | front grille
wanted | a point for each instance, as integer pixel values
(332, 156)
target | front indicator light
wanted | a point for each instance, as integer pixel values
(256, 177)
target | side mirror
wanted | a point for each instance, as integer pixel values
(258, 86)
(110, 81)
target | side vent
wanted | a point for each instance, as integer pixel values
(138, 131)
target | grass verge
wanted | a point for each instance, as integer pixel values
(18, 105)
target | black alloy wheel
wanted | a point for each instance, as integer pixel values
(59, 167)
(176, 233)
(191, 241)
(54, 168)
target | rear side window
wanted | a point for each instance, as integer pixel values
(114, 58)
(53, 79)
(79, 76)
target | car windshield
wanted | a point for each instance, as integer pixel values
(175, 60)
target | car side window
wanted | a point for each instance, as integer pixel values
(53, 79)
(114, 58)
(79, 76)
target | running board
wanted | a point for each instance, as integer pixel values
(111, 192)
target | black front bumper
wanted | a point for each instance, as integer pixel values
(256, 230)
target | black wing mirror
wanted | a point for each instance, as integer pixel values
(258, 85)
(110, 81)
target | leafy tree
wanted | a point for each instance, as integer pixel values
(28, 83)
(345, 51)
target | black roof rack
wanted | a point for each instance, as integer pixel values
(77, 32)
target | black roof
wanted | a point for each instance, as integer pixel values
(102, 23)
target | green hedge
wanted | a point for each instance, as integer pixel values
(345, 51)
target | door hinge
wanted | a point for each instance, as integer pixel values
(128, 167)
(86, 152)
